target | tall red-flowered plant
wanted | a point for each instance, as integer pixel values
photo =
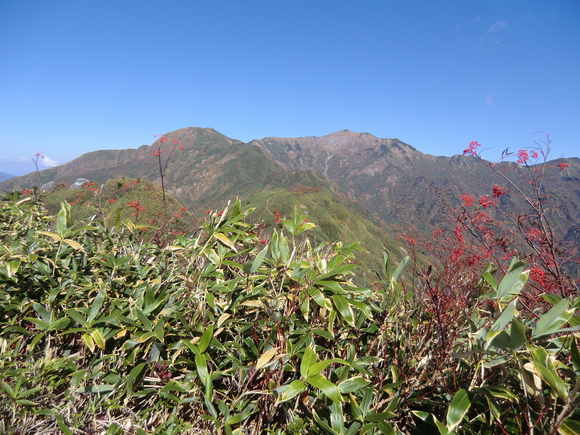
(157, 153)
(547, 254)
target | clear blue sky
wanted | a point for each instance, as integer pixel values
(83, 75)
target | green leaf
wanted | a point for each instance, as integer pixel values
(570, 427)
(457, 409)
(575, 353)
(88, 339)
(42, 312)
(8, 389)
(206, 339)
(513, 282)
(98, 338)
(344, 309)
(316, 368)
(12, 267)
(320, 422)
(441, 426)
(336, 417)
(144, 320)
(517, 335)
(62, 425)
(97, 305)
(61, 221)
(295, 387)
(258, 260)
(352, 384)
(26, 402)
(97, 389)
(76, 316)
(506, 317)
(201, 364)
(308, 360)
(551, 321)
(133, 375)
(328, 388)
(386, 428)
(379, 416)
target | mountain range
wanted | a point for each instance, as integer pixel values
(347, 182)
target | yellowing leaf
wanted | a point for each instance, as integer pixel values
(222, 319)
(49, 234)
(75, 245)
(224, 239)
(266, 358)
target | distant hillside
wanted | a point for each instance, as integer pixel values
(5, 176)
(407, 188)
(380, 185)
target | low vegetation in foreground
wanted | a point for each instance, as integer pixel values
(225, 331)
(132, 319)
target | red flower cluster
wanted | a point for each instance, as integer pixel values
(563, 166)
(472, 150)
(497, 191)
(523, 156)
(538, 275)
(468, 200)
(92, 189)
(458, 233)
(486, 201)
(158, 152)
(278, 215)
(112, 200)
(27, 192)
(138, 208)
(534, 234)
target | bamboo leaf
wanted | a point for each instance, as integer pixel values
(205, 339)
(308, 360)
(316, 368)
(328, 388)
(226, 241)
(98, 338)
(295, 387)
(344, 309)
(75, 245)
(97, 305)
(258, 260)
(457, 409)
(553, 319)
(352, 384)
(513, 281)
(266, 357)
(570, 427)
(379, 416)
(88, 339)
(133, 375)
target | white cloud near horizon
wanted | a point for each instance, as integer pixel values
(48, 162)
(20, 159)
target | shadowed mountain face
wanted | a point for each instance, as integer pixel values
(384, 180)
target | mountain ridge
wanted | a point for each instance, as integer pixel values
(396, 185)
